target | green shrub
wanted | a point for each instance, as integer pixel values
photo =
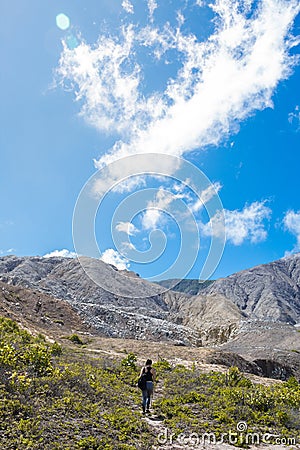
(129, 361)
(75, 339)
(89, 443)
(235, 378)
(162, 365)
(58, 321)
(56, 349)
(216, 402)
(38, 360)
(8, 326)
(293, 383)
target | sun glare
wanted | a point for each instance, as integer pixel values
(62, 21)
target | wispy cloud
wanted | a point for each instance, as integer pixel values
(221, 82)
(128, 6)
(291, 223)
(294, 118)
(206, 195)
(127, 227)
(156, 209)
(109, 93)
(246, 224)
(152, 5)
(111, 256)
(61, 253)
(164, 201)
(9, 251)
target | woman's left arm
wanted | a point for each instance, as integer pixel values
(153, 371)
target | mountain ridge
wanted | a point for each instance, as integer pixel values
(265, 292)
(281, 286)
(215, 318)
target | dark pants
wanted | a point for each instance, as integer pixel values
(147, 394)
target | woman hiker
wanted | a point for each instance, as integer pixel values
(149, 374)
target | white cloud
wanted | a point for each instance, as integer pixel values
(128, 6)
(151, 218)
(127, 246)
(111, 256)
(294, 118)
(221, 81)
(180, 18)
(206, 196)
(127, 227)
(109, 94)
(61, 253)
(8, 251)
(291, 222)
(247, 224)
(152, 5)
(154, 214)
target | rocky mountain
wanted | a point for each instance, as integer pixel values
(266, 292)
(274, 347)
(142, 312)
(246, 313)
(215, 318)
(187, 286)
(40, 313)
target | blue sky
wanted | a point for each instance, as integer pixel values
(216, 86)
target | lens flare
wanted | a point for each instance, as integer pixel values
(62, 21)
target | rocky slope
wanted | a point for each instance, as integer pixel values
(274, 347)
(144, 311)
(245, 313)
(187, 286)
(141, 313)
(40, 313)
(266, 292)
(215, 318)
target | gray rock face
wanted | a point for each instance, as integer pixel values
(246, 313)
(266, 292)
(274, 347)
(142, 313)
(269, 293)
(215, 318)
(187, 286)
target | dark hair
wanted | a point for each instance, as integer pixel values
(148, 362)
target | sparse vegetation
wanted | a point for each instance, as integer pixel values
(55, 397)
(188, 286)
(50, 402)
(76, 339)
(129, 361)
(216, 402)
(58, 321)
